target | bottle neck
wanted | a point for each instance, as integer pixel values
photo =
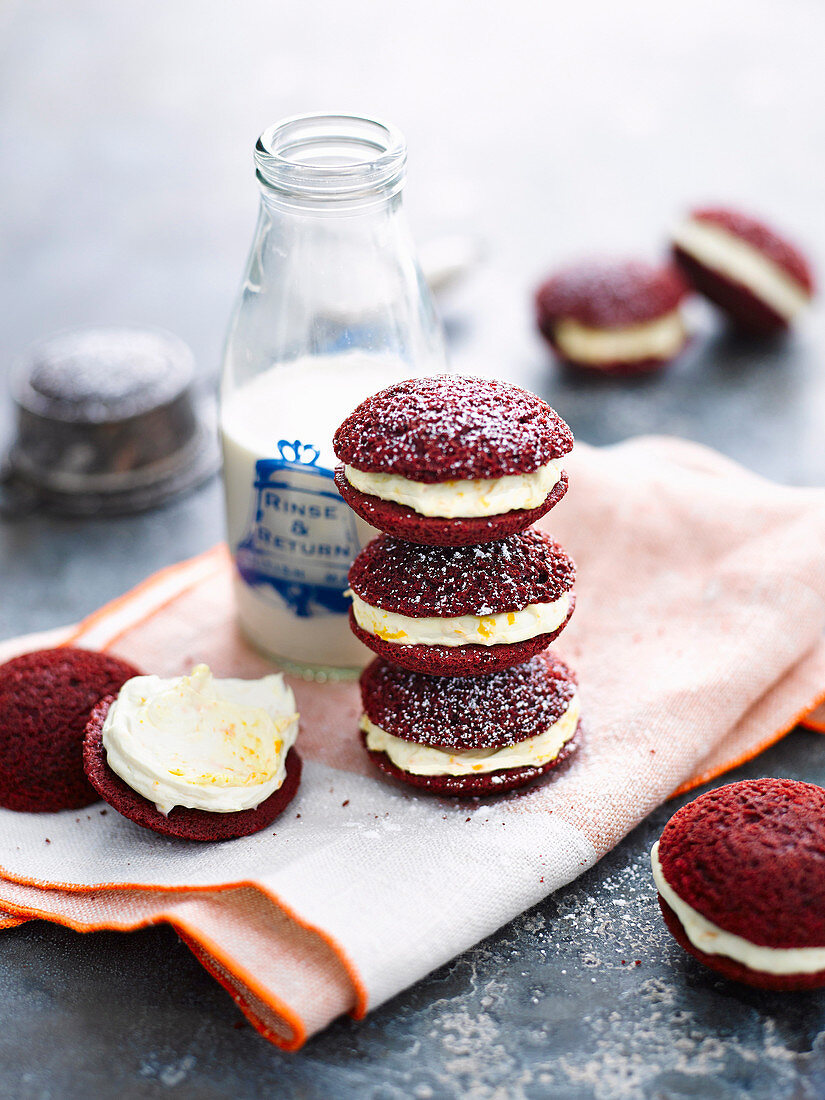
(275, 204)
(332, 269)
(330, 165)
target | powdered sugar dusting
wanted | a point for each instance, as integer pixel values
(451, 427)
(609, 293)
(498, 709)
(418, 581)
(587, 996)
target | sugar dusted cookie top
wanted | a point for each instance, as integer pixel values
(609, 293)
(492, 711)
(449, 427)
(527, 568)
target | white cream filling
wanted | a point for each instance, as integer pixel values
(713, 940)
(425, 760)
(461, 499)
(195, 741)
(457, 630)
(739, 261)
(662, 338)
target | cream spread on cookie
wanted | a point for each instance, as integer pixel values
(199, 742)
(741, 262)
(419, 759)
(661, 338)
(503, 628)
(461, 499)
(712, 940)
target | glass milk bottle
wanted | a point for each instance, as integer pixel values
(333, 307)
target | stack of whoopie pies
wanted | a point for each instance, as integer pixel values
(460, 597)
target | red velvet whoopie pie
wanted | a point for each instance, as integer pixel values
(613, 316)
(756, 276)
(481, 715)
(461, 611)
(749, 858)
(46, 698)
(452, 461)
(181, 822)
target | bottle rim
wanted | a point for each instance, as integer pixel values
(328, 158)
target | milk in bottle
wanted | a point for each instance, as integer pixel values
(333, 307)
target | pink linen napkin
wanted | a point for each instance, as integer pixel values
(698, 641)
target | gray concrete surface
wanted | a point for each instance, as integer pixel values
(127, 196)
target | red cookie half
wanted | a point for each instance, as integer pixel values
(618, 368)
(449, 427)
(46, 698)
(459, 713)
(729, 968)
(493, 783)
(181, 822)
(405, 523)
(750, 858)
(424, 581)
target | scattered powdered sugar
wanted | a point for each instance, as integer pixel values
(587, 996)
(170, 1074)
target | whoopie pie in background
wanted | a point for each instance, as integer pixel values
(452, 461)
(46, 698)
(741, 878)
(473, 735)
(613, 316)
(461, 611)
(756, 276)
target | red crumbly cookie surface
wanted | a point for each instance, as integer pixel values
(473, 712)
(46, 698)
(405, 523)
(449, 428)
(737, 971)
(478, 785)
(181, 822)
(420, 581)
(750, 857)
(762, 237)
(464, 660)
(608, 294)
(618, 368)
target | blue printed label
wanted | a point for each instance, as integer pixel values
(301, 536)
